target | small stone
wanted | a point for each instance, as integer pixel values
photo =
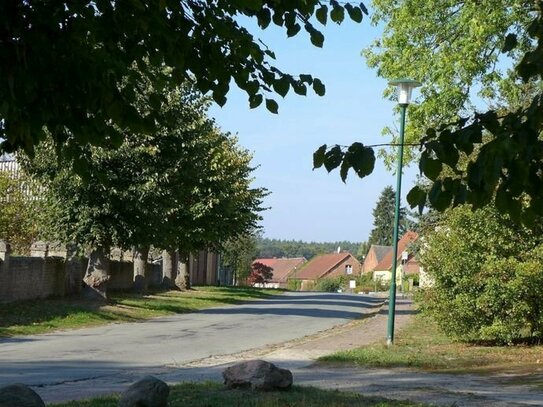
(257, 375)
(19, 395)
(147, 392)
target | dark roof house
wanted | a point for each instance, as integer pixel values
(375, 255)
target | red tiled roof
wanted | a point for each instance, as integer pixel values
(321, 265)
(406, 240)
(282, 267)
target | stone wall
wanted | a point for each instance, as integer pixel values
(52, 270)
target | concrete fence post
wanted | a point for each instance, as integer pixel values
(5, 251)
(39, 249)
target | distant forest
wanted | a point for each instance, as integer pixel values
(268, 248)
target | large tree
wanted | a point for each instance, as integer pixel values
(186, 187)
(383, 219)
(72, 71)
(508, 163)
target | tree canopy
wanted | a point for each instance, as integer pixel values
(383, 219)
(184, 187)
(73, 71)
(507, 166)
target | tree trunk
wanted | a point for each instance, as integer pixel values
(96, 275)
(182, 280)
(140, 270)
(169, 269)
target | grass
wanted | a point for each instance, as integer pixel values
(214, 394)
(42, 316)
(423, 346)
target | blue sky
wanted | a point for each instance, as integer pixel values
(305, 204)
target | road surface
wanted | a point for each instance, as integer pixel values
(116, 353)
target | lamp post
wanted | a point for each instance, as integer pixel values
(405, 88)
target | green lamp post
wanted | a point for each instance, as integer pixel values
(404, 88)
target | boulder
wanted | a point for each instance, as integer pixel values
(147, 392)
(19, 395)
(257, 375)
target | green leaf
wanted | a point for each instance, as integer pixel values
(282, 85)
(318, 156)
(510, 43)
(219, 97)
(322, 14)
(319, 87)
(255, 101)
(430, 167)
(362, 159)
(272, 106)
(333, 158)
(438, 198)
(354, 13)
(264, 18)
(293, 29)
(416, 196)
(345, 166)
(299, 88)
(337, 14)
(317, 39)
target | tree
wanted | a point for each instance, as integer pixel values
(74, 71)
(238, 254)
(19, 213)
(187, 186)
(455, 54)
(487, 277)
(507, 167)
(260, 274)
(383, 219)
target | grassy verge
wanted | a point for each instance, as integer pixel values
(41, 316)
(214, 394)
(422, 345)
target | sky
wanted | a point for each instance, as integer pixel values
(305, 204)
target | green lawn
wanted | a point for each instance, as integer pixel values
(421, 345)
(41, 316)
(214, 394)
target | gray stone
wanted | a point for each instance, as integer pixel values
(258, 375)
(19, 395)
(147, 392)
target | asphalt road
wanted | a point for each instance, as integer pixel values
(54, 361)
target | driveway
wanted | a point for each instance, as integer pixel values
(112, 355)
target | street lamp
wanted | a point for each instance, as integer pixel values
(405, 88)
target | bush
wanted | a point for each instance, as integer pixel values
(294, 285)
(330, 284)
(488, 279)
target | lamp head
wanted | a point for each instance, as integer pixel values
(405, 88)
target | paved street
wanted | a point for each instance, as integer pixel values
(51, 361)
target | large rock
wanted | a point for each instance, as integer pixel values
(258, 375)
(147, 392)
(19, 395)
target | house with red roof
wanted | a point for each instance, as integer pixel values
(375, 255)
(406, 262)
(327, 265)
(282, 269)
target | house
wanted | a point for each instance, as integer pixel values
(375, 255)
(406, 261)
(282, 269)
(327, 265)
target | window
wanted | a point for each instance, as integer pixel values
(348, 269)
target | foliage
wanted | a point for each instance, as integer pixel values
(294, 284)
(73, 71)
(362, 251)
(383, 219)
(269, 248)
(454, 50)
(186, 186)
(238, 254)
(49, 315)
(487, 277)
(19, 214)
(260, 274)
(506, 169)
(330, 284)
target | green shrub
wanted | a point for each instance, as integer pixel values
(330, 284)
(294, 285)
(488, 278)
